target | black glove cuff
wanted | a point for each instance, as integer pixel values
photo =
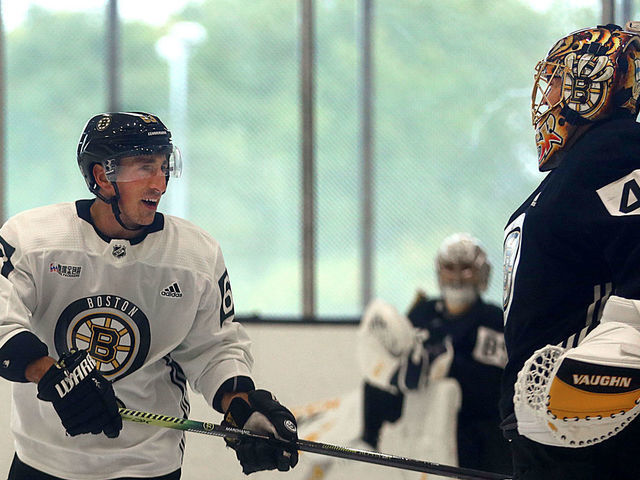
(231, 385)
(18, 352)
(238, 412)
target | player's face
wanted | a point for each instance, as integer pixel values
(547, 90)
(555, 91)
(141, 182)
(457, 286)
(456, 274)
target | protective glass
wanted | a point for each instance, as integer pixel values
(547, 88)
(143, 165)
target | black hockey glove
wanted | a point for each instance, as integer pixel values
(83, 399)
(263, 415)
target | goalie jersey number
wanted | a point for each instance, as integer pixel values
(622, 197)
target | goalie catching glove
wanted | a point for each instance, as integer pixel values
(581, 396)
(394, 355)
(263, 414)
(83, 399)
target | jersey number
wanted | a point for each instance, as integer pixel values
(5, 254)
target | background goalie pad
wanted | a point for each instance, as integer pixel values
(584, 395)
(385, 338)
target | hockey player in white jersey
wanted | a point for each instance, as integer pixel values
(106, 302)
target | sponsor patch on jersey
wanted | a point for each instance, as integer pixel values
(69, 271)
(172, 291)
(226, 307)
(622, 197)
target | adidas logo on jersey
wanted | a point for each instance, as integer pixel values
(172, 290)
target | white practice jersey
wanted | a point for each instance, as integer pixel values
(154, 313)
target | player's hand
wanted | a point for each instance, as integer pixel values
(426, 362)
(440, 358)
(83, 399)
(263, 414)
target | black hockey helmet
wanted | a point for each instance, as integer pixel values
(108, 137)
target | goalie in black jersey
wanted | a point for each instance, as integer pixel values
(458, 336)
(572, 269)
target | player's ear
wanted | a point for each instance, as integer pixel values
(101, 180)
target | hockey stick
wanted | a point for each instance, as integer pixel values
(177, 423)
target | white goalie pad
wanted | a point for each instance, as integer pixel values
(582, 396)
(385, 338)
(426, 430)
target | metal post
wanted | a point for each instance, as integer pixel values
(308, 174)
(627, 11)
(3, 109)
(113, 57)
(366, 148)
(176, 48)
(608, 11)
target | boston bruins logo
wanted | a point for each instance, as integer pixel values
(112, 329)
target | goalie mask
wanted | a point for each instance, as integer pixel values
(463, 269)
(108, 138)
(586, 77)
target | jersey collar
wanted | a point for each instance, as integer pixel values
(83, 208)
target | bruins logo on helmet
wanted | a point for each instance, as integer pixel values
(103, 123)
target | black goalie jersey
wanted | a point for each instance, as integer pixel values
(478, 347)
(574, 242)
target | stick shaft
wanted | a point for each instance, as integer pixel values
(377, 458)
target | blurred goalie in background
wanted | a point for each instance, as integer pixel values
(431, 380)
(457, 335)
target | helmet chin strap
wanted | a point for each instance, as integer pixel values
(115, 207)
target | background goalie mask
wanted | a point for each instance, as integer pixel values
(587, 76)
(463, 269)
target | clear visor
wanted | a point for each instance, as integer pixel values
(140, 166)
(547, 89)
